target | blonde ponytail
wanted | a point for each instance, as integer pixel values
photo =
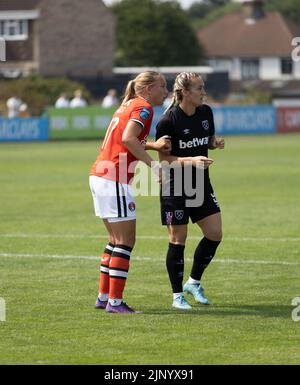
(183, 81)
(129, 92)
(136, 86)
(173, 103)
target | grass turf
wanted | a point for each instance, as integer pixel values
(50, 239)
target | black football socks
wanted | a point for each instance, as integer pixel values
(175, 266)
(204, 254)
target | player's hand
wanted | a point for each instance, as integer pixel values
(220, 143)
(202, 161)
(163, 144)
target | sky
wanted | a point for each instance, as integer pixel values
(184, 3)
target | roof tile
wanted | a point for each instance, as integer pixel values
(231, 36)
(18, 5)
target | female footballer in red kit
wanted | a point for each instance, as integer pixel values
(110, 178)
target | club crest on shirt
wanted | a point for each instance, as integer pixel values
(131, 206)
(179, 214)
(145, 113)
(205, 124)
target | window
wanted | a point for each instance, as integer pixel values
(250, 69)
(14, 29)
(287, 66)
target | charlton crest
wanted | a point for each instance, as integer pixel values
(205, 124)
(131, 206)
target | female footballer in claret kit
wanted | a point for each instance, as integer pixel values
(190, 124)
(110, 177)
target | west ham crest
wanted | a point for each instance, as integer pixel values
(179, 214)
(205, 124)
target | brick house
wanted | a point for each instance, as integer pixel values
(72, 38)
(255, 47)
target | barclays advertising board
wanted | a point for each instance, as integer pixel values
(23, 130)
(237, 120)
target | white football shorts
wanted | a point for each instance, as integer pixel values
(113, 201)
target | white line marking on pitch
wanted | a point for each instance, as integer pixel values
(146, 258)
(151, 237)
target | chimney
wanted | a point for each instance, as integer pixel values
(253, 10)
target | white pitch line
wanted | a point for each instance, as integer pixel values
(52, 256)
(150, 237)
(147, 258)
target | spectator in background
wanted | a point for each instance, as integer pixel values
(78, 101)
(111, 99)
(23, 111)
(62, 101)
(13, 106)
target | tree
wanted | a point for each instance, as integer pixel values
(289, 8)
(202, 14)
(199, 10)
(39, 92)
(152, 33)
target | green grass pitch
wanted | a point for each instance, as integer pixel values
(50, 240)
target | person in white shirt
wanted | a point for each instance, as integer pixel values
(24, 111)
(62, 102)
(13, 106)
(78, 100)
(111, 99)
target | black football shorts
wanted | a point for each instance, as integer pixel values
(175, 212)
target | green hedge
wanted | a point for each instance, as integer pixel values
(38, 92)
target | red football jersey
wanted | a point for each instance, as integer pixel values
(115, 162)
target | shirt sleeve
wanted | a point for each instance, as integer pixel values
(141, 115)
(163, 128)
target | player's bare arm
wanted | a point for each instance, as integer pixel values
(163, 145)
(215, 142)
(131, 141)
(195, 160)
